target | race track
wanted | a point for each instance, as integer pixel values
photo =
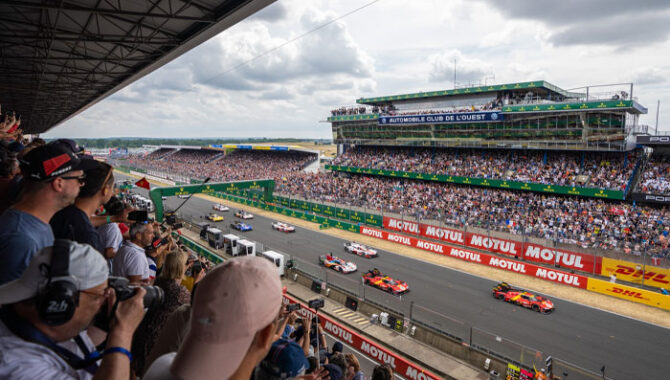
(587, 337)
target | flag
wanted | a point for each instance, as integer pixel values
(143, 183)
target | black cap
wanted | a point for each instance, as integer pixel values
(69, 144)
(49, 161)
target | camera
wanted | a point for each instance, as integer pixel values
(293, 307)
(138, 216)
(153, 298)
(316, 304)
(197, 267)
(177, 226)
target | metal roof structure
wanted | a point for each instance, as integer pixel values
(59, 57)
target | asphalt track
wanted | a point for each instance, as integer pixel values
(587, 337)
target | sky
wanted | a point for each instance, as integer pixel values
(244, 83)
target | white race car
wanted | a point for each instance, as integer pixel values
(360, 250)
(243, 215)
(220, 207)
(283, 227)
(184, 196)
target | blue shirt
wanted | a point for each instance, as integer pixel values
(21, 237)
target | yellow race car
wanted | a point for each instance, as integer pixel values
(214, 217)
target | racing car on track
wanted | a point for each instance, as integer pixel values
(283, 227)
(220, 207)
(243, 215)
(241, 226)
(360, 250)
(375, 278)
(214, 217)
(337, 264)
(503, 291)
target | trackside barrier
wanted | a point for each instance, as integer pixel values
(635, 273)
(197, 248)
(511, 265)
(400, 365)
(629, 293)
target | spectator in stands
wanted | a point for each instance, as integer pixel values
(336, 360)
(39, 343)
(10, 178)
(337, 349)
(353, 368)
(73, 222)
(382, 372)
(285, 360)
(175, 295)
(52, 178)
(171, 335)
(111, 237)
(233, 321)
(130, 260)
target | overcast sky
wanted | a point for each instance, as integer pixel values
(389, 47)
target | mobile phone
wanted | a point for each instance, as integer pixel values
(138, 215)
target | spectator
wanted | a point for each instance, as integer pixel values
(131, 261)
(382, 372)
(233, 320)
(52, 178)
(337, 359)
(10, 179)
(73, 222)
(171, 336)
(285, 360)
(353, 368)
(34, 339)
(175, 296)
(337, 348)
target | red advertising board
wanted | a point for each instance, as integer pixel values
(529, 251)
(511, 265)
(401, 366)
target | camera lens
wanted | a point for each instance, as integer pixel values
(154, 297)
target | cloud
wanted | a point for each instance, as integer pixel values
(275, 12)
(649, 75)
(467, 69)
(594, 22)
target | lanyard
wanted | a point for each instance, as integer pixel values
(27, 332)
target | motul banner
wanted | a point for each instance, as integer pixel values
(516, 266)
(527, 251)
(377, 353)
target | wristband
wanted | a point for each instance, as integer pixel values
(121, 350)
(109, 219)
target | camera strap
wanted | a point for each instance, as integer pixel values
(29, 333)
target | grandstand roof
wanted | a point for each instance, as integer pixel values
(58, 58)
(542, 85)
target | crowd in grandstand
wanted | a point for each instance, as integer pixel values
(586, 222)
(588, 169)
(656, 177)
(234, 166)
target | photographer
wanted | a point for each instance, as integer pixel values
(42, 327)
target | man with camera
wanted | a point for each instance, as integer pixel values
(131, 260)
(45, 314)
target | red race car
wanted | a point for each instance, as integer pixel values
(375, 278)
(505, 292)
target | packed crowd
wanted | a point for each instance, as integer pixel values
(91, 290)
(589, 169)
(656, 177)
(572, 220)
(234, 166)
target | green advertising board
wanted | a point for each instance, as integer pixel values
(597, 105)
(512, 185)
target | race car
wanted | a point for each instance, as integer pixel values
(241, 226)
(375, 278)
(503, 291)
(184, 196)
(214, 217)
(283, 227)
(360, 250)
(220, 207)
(243, 215)
(337, 264)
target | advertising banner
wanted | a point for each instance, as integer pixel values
(650, 198)
(512, 185)
(653, 140)
(372, 350)
(441, 118)
(629, 293)
(527, 251)
(549, 274)
(636, 273)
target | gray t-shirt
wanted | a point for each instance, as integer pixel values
(21, 237)
(130, 260)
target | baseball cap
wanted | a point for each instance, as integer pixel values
(51, 160)
(286, 359)
(87, 266)
(234, 301)
(69, 144)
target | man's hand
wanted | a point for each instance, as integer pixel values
(129, 313)
(320, 374)
(122, 217)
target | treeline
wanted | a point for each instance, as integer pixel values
(138, 142)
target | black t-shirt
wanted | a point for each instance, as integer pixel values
(73, 224)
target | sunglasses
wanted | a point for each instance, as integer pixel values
(81, 178)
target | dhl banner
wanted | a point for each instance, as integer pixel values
(636, 273)
(372, 350)
(629, 293)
